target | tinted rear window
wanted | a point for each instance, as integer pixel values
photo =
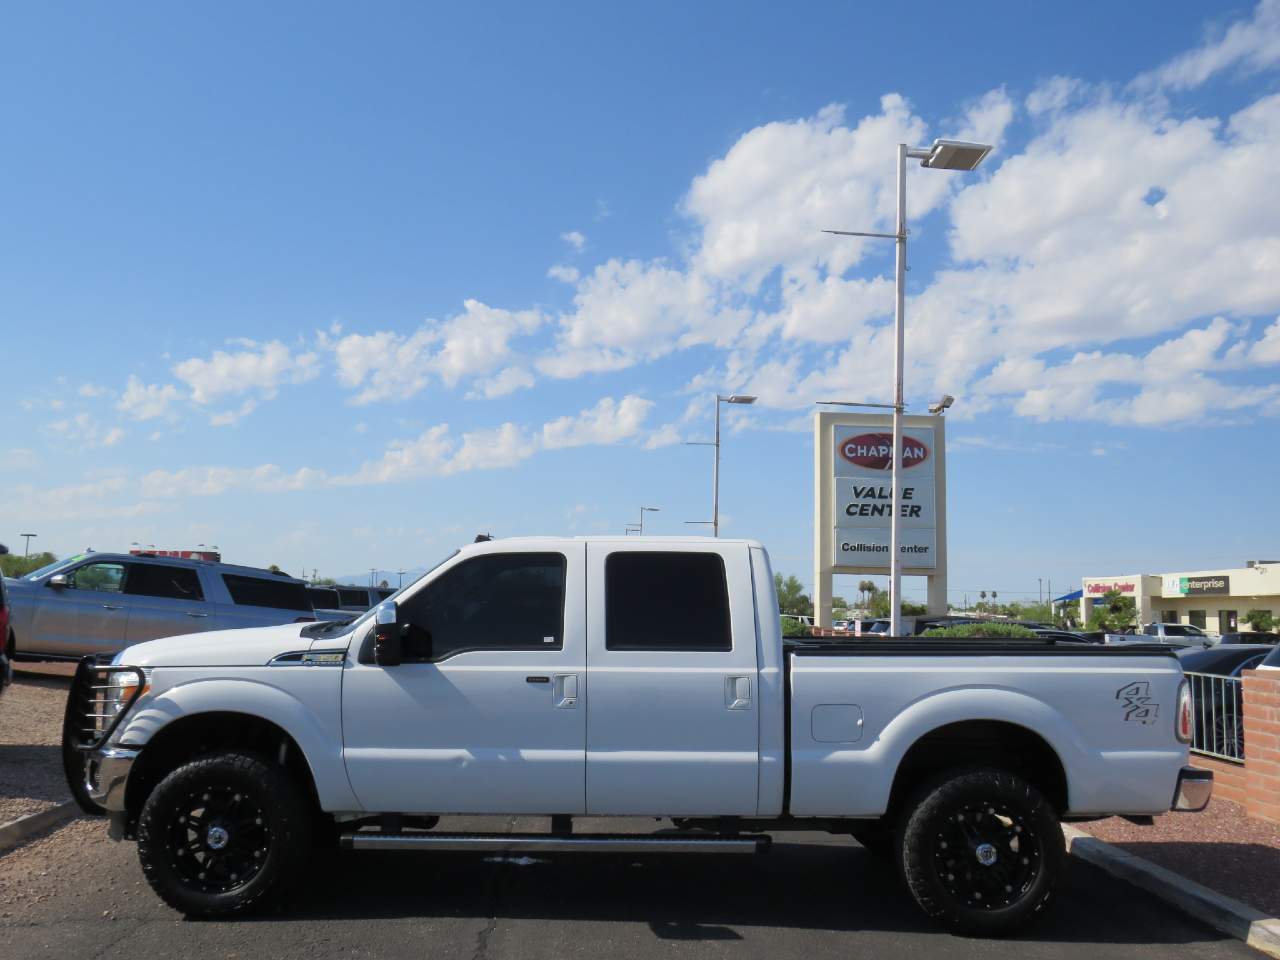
(323, 599)
(354, 596)
(263, 592)
(666, 601)
(162, 580)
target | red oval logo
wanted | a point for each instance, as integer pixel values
(875, 451)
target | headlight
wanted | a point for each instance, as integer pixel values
(116, 694)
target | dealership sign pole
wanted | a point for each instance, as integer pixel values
(943, 155)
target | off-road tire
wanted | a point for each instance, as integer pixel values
(266, 821)
(954, 824)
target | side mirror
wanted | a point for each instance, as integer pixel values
(386, 638)
(59, 581)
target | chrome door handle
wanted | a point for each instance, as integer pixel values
(192, 613)
(111, 606)
(737, 693)
(566, 691)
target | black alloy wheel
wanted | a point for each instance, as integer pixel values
(224, 834)
(981, 850)
(221, 840)
(986, 854)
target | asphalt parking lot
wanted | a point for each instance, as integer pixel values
(74, 893)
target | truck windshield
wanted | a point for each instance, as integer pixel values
(51, 567)
(341, 626)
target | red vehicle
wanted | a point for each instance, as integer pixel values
(6, 638)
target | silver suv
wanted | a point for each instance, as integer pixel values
(104, 602)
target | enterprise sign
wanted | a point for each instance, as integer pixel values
(1196, 586)
(863, 498)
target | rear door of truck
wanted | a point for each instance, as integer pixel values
(673, 712)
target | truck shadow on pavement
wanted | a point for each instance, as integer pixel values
(831, 886)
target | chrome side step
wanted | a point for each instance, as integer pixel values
(548, 843)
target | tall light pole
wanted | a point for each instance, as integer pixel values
(26, 547)
(644, 510)
(715, 470)
(943, 155)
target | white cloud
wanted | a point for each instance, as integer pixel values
(259, 368)
(435, 452)
(1249, 45)
(575, 240)
(564, 274)
(143, 401)
(91, 390)
(606, 423)
(394, 366)
(665, 436)
(763, 205)
(1267, 349)
(502, 383)
(84, 429)
(1053, 95)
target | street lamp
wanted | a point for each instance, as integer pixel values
(643, 510)
(26, 547)
(715, 470)
(943, 155)
(942, 405)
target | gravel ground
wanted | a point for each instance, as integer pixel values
(1221, 848)
(30, 730)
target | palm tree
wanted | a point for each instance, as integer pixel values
(865, 589)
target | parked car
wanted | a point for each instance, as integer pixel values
(6, 635)
(1175, 631)
(326, 604)
(1249, 636)
(1216, 695)
(1177, 635)
(621, 677)
(100, 603)
(1272, 661)
(360, 599)
(1062, 636)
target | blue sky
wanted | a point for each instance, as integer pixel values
(338, 288)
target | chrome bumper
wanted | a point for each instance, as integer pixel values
(1195, 787)
(106, 774)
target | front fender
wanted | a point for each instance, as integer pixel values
(308, 712)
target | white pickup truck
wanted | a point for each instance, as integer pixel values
(619, 677)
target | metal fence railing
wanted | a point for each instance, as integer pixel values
(1217, 710)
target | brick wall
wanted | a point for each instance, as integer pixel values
(1229, 779)
(1262, 744)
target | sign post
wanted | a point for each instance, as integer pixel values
(854, 500)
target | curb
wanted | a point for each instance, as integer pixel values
(1232, 917)
(16, 831)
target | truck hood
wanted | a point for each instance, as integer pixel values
(250, 647)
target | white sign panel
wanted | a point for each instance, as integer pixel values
(862, 503)
(869, 547)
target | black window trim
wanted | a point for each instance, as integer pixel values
(367, 647)
(658, 648)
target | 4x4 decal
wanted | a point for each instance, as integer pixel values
(1137, 703)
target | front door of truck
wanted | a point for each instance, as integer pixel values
(672, 669)
(487, 712)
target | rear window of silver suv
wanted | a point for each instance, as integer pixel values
(267, 592)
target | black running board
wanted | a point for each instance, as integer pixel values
(547, 843)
